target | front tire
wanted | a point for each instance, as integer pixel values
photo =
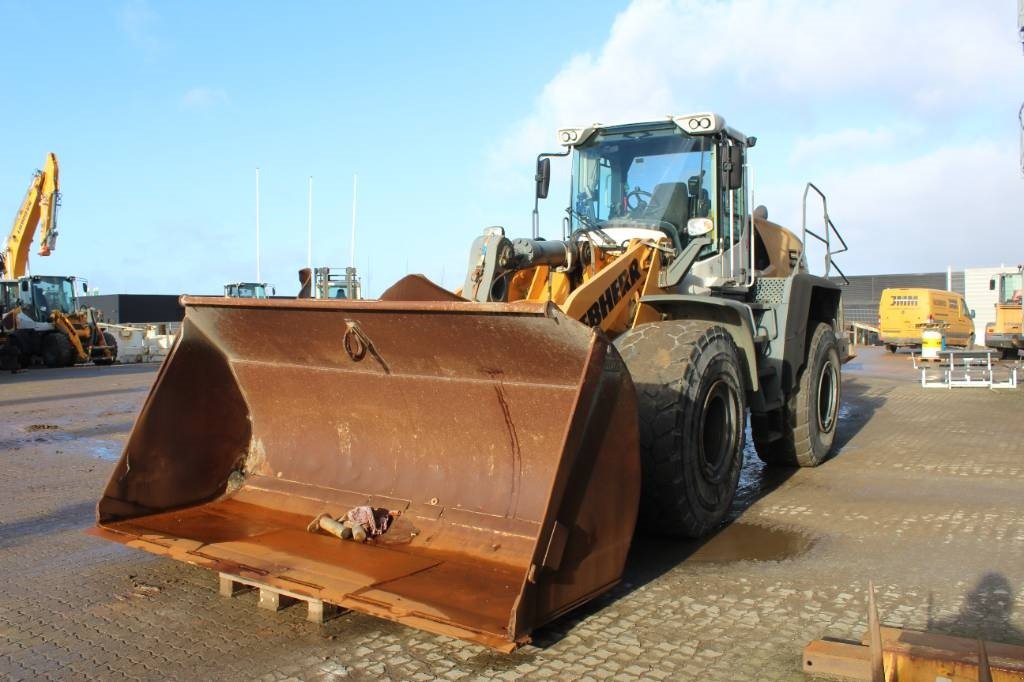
(802, 432)
(57, 350)
(692, 405)
(111, 342)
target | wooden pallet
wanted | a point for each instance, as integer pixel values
(275, 599)
(913, 655)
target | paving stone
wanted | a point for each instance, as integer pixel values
(921, 477)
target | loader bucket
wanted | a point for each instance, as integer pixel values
(505, 434)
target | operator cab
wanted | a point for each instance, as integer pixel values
(673, 178)
(1010, 288)
(40, 296)
(677, 180)
(247, 290)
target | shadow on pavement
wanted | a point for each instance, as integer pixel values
(72, 516)
(20, 402)
(985, 614)
(857, 410)
(37, 374)
(652, 557)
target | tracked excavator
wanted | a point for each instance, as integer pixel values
(518, 431)
(41, 314)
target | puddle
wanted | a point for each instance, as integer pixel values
(106, 450)
(67, 443)
(756, 478)
(748, 542)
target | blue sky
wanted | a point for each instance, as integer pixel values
(160, 112)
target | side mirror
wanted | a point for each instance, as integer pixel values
(85, 287)
(732, 167)
(543, 177)
(991, 285)
(273, 291)
(24, 285)
(972, 313)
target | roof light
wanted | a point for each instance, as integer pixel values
(700, 124)
(571, 137)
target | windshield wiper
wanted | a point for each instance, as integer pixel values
(590, 226)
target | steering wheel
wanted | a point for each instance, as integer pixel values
(640, 196)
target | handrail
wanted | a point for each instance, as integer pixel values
(830, 229)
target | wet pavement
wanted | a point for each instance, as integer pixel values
(924, 498)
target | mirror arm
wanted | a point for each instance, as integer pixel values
(535, 218)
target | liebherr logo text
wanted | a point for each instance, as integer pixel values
(609, 299)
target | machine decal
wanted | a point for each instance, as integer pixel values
(619, 287)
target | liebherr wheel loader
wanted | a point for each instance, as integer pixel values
(516, 430)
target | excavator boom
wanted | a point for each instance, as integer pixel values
(39, 208)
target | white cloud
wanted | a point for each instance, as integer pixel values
(955, 205)
(203, 98)
(138, 21)
(840, 142)
(888, 104)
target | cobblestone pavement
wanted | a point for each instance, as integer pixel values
(924, 499)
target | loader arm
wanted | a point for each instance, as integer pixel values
(62, 322)
(608, 299)
(38, 208)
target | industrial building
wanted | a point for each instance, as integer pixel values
(861, 296)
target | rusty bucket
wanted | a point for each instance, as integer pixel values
(505, 434)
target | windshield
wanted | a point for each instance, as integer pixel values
(655, 177)
(1010, 289)
(50, 294)
(247, 291)
(337, 291)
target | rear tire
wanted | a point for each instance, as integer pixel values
(111, 343)
(802, 432)
(691, 399)
(890, 347)
(57, 350)
(10, 355)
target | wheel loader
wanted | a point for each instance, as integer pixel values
(517, 431)
(42, 318)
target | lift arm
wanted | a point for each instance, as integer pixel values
(38, 208)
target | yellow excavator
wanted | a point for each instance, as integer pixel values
(41, 315)
(492, 451)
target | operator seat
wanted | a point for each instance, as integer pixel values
(670, 203)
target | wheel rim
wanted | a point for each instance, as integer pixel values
(718, 431)
(828, 397)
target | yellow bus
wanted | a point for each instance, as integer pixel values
(904, 313)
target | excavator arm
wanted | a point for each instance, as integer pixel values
(38, 208)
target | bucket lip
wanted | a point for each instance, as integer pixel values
(539, 309)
